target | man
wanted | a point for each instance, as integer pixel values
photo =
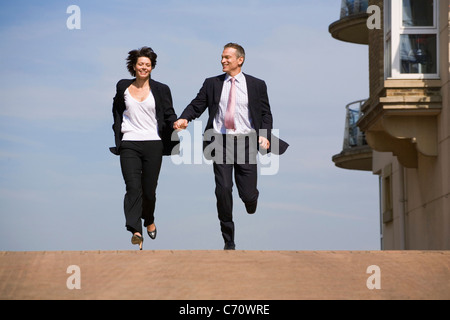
(238, 107)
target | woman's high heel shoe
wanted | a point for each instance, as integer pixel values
(136, 239)
(152, 234)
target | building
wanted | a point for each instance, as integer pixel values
(402, 131)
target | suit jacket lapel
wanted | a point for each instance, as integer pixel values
(218, 86)
(217, 93)
(124, 85)
(157, 95)
(252, 94)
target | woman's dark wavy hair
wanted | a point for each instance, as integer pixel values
(134, 55)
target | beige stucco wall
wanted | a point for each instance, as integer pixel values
(421, 196)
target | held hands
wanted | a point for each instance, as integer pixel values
(180, 124)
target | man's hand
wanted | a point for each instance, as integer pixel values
(180, 124)
(264, 143)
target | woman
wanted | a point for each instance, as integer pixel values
(143, 125)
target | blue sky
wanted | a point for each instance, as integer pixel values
(61, 188)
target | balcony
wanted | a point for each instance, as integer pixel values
(403, 119)
(356, 154)
(352, 25)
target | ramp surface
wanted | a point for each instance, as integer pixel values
(225, 275)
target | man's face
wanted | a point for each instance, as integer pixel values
(230, 62)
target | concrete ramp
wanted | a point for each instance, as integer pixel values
(225, 275)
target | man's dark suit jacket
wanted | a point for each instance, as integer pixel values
(258, 104)
(165, 114)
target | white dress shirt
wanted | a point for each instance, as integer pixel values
(242, 120)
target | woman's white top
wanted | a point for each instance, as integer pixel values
(139, 119)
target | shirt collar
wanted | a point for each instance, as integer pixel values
(239, 77)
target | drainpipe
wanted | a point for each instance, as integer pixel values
(402, 215)
(380, 192)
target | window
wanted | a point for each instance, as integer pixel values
(411, 39)
(418, 13)
(387, 39)
(418, 53)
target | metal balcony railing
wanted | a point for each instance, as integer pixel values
(353, 136)
(351, 7)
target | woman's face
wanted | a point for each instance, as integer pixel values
(143, 68)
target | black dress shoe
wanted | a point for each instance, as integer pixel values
(229, 246)
(152, 234)
(251, 207)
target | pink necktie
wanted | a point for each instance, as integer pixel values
(229, 114)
